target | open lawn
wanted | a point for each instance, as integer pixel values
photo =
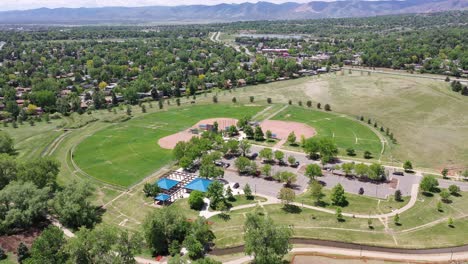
(347, 133)
(306, 223)
(125, 153)
(426, 117)
(357, 204)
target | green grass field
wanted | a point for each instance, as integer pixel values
(347, 133)
(125, 153)
(357, 204)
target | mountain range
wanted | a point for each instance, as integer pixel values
(228, 12)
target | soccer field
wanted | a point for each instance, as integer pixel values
(125, 153)
(347, 133)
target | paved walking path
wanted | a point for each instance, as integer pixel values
(360, 253)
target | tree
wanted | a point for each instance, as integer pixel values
(164, 226)
(209, 170)
(398, 196)
(23, 204)
(396, 219)
(454, 189)
(445, 195)
(229, 194)
(196, 200)
(319, 105)
(215, 99)
(286, 177)
(328, 149)
(251, 99)
(264, 240)
(151, 190)
(367, 154)
(444, 173)
(337, 196)
(266, 154)
(291, 160)
(309, 103)
(339, 215)
(361, 169)
(286, 195)
(376, 172)
(439, 206)
(269, 100)
(248, 192)
(347, 168)
(258, 134)
(268, 135)
(49, 247)
(105, 244)
(8, 170)
(266, 170)
(428, 183)
(244, 147)
(316, 192)
(73, 207)
(216, 193)
(234, 100)
(408, 166)
(327, 107)
(279, 155)
(450, 222)
(129, 110)
(22, 252)
(350, 152)
(6, 143)
(311, 146)
(312, 171)
(292, 138)
(243, 165)
(249, 132)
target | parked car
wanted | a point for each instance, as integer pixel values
(253, 156)
(295, 165)
(223, 181)
(398, 173)
(282, 163)
(235, 185)
(219, 163)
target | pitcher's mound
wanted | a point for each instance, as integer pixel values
(170, 142)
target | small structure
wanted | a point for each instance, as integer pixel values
(162, 197)
(167, 184)
(198, 184)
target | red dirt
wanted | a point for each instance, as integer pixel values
(170, 142)
(283, 128)
(10, 243)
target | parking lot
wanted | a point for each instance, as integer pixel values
(329, 180)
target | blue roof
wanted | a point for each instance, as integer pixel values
(162, 197)
(199, 184)
(166, 183)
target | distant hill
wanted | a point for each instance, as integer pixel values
(229, 12)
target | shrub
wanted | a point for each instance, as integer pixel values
(196, 200)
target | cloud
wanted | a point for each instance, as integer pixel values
(32, 4)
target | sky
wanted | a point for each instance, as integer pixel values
(32, 4)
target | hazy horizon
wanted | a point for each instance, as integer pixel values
(34, 4)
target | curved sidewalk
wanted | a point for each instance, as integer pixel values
(372, 254)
